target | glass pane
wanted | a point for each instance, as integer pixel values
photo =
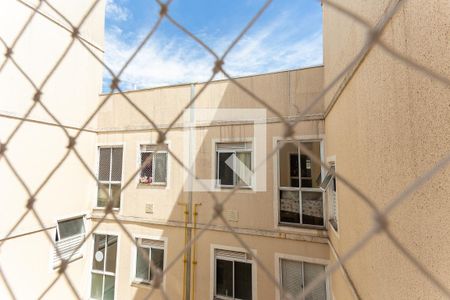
(242, 280)
(288, 164)
(310, 171)
(157, 259)
(312, 208)
(160, 167)
(225, 172)
(71, 227)
(116, 169)
(104, 164)
(102, 194)
(98, 260)
(244, 168)
(108, 293)
(115, 190)
(142, 265)
(311, 272)
(224, 278)
(291, 276)
(289, 207)
(146, 172)
(96, 286)
(328, 179)
(111, 254)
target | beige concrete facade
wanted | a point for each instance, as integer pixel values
(119, 124)
(388, 127)
(71, 94)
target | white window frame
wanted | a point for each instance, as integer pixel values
(213, 269)
(91, 258)
(79, 253)
(138, 281)
(233, 151)
(112, 145)
(301, 259)
(331, 161)
(153, 164)
(82, 217)
(299, 189)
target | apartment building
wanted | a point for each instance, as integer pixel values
(286, 231)
(27, 256)
(381, 130)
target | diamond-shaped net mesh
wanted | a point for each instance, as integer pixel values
(110, 169)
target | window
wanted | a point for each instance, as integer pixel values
(234, 164)
(299, 177)
(233, 275)
(109, 175)
(329, 185)
(104, 267)
(296, 275)
(148, 250)
(154, 165)
(69, 235)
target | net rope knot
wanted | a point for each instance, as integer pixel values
(30, 203)
(163, 10)
(72, 142)
(218, 209)
(288, 131)
(63, 266)
(381, 222)
(37, 96)
(114, 83)
(218, 66)
(161, 138)
(109, 206)
(75, 32)
(8, 52)
(3, 148)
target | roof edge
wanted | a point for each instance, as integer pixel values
(217, 80)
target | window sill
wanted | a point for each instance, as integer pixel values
(221, 298)
(302, 226)
(141, 185)
(141, 284)
(228, 188)
(115, 209)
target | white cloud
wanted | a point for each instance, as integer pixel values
(164, 61)
(116, 12)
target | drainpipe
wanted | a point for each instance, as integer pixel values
(194, 250)
(185, 213)
(191, 163)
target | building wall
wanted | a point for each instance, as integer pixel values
(389, 126)
(71, 94)
(120, 124)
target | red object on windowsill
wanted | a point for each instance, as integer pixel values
(145, 180)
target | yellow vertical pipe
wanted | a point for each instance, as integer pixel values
(194, 248)
(184, 256)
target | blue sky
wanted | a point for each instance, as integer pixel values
(288, 35)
